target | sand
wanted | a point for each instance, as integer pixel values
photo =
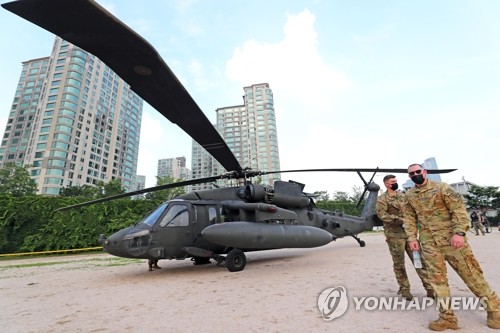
(276, 292)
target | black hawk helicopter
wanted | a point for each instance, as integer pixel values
(219, 224)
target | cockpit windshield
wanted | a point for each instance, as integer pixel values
(155, 214)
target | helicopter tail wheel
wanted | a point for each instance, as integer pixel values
(235, 260)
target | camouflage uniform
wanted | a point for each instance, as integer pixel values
(441, 213)
(477, 222)
(390, 211)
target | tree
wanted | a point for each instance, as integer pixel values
(340, 196)
(358, 192)
(85, 191)
(113, 187)
(341, 202)
(488, 196)
(258, 180)
(168, 194)
(321, 195)
(16, 180)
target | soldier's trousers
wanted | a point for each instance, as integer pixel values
(467, 267)
(397, 247)
(478, 226)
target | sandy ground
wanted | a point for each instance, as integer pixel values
(277, 292)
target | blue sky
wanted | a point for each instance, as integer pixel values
(356, 83)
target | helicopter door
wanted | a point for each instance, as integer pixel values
(173, 230)
(205, 215)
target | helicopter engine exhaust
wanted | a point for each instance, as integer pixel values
(251, 235)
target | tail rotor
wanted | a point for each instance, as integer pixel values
(366, 185)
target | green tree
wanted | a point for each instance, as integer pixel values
(257, 180)
(113, 187)
(340, 196)
(341, 202)
(488, 196)
(358, 192)
(85, 191)
(15, 180)
(168, 194)
(321, 195)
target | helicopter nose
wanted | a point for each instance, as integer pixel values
(128, 243)
(113, 245)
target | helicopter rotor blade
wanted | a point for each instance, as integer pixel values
(146, 190)
(389, 170)
(358, 171)
(89, 26)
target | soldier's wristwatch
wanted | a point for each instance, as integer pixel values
(460, 233)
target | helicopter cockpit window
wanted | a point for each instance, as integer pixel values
(212, 215)
(152, 217)
(177, 216)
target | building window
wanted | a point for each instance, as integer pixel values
(51, 190)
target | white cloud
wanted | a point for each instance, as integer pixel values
(306, 90)
(293, 67)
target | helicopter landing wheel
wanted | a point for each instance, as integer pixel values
(235, 260)
(362, 243)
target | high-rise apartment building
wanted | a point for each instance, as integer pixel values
(173, 167)
(203, 165)
(74, 121)
(139, 182)
(250, 132)
(430, 163)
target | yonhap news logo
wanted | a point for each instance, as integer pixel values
(333, 303)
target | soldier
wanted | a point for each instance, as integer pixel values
(477, 222)
(153, 263)
(484, 219)
(443, 221)
(390, 211)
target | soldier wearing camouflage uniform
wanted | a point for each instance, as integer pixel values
(443, 223)
(390, 210)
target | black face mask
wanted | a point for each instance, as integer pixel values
(418, 179)
(394, 186)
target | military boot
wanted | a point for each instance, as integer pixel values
(406, 294)
(493, 320)
(442, 324)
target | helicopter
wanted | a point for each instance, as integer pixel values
(222, 223)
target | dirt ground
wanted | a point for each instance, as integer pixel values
(277, 292)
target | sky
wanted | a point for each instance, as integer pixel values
(356, 84)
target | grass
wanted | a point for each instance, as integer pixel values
(98, 262)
